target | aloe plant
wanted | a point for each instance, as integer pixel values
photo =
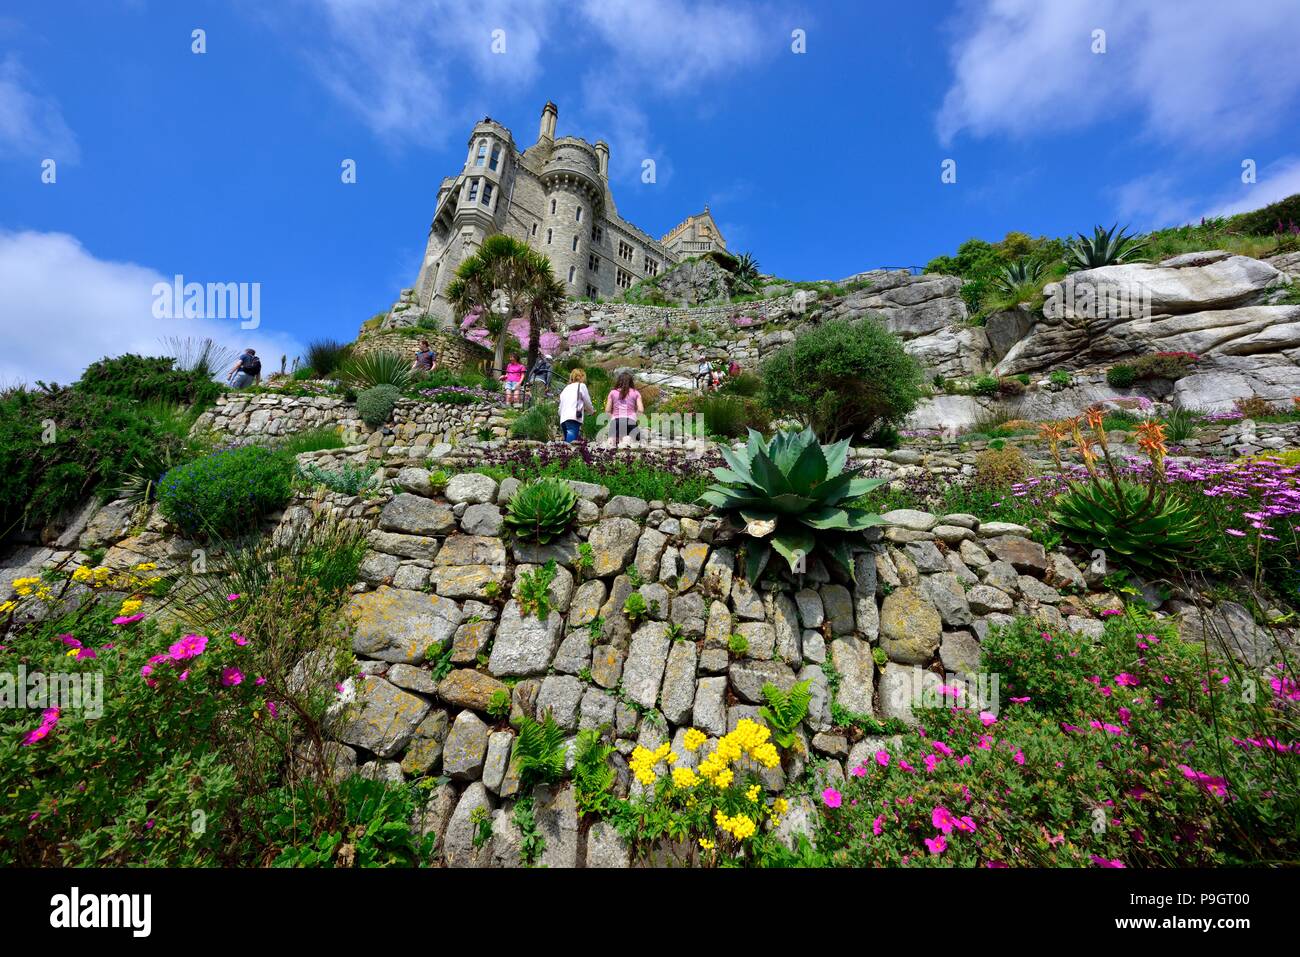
(1133, 528)
(1019, 273)
(542, 510)
(1106, 247)
(790, 496)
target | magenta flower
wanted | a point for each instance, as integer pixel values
(878, 825)
(128, 619)
(882, 758)
(937, 845)
(1103, 862)
(987, 718)
(84, 653)
(859, 772)
(943, 819)
(832, 798)
(1126, 680)
(1107, 612)
(231, 676)
(191, 646)
(240, 640)
(234, 597)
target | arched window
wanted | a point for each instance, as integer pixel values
(575, 244)
(571, 272)
(482, 153)
(548, 237)
(578, 214)
(552, 207)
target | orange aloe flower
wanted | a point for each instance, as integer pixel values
(1151, 439)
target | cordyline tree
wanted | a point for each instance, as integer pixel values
(509, 274)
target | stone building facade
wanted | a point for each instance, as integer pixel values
(695, 236)
(555, 195)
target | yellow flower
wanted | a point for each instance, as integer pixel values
(145, 567)
(780, 806)
(684, 778)
(724, 778)
(752, 793)
(82, 574)
(130, 606)
(8, 606)
(707, 844)
(694, 738)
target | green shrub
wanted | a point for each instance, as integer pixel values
(746, 384)
(1060, 377)
(731, 416)
(985, 385)
(1163, 365)
(785, 710)
(1264, 221)
(311, 440)
(376, 368)
(376, 404)
(843, 379)
(347, 479)
(1000, 468)
(145, 378)
(325, 356)
(790, 495)
(1121, 375)
(542, 510)
(226, 492)
(532, 589)
(371, 819)
(538, 423)
(539, 754)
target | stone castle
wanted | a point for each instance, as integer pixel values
(555, 195)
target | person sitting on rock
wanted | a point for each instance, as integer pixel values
(426, 360)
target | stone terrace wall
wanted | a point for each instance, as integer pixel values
(440, 574)
(243, 419)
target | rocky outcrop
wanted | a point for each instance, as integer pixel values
(1210, 304)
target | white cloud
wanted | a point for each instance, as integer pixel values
(1201, 72)
(64, 308)
(1155, 201)
(392, 61)
(31, 124)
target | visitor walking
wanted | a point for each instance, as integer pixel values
(623, 406)
(246, 371)
(575, 402)
(541, 373)
(426, 360)
(733, 370)
(513, 380)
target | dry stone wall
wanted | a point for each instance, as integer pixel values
(246, 418)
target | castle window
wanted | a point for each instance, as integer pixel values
(473, 190)
(571, 272)
(623, 279)
(534, 229)
(625, 251)
(651, 267)
(487, 194)
(578, 214)
(593, 263)
(592, 291)
(548, 237)
(496, 157)
(482, 153)
(552, 207)
(596, 233)
(575, 244)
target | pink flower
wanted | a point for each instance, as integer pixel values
(272, 709)
(943, 819)
(49, 718)
(1126, 680)
(904, 766)
(878, 825)
(260, 681)
(988, 718)
(234, 597)
(128, 619)
(240, 640)
(1018, 757)
(1103, 862)
(231, 677)
(1020, 701)
(832, 798)
(937, 845)
(184, 675)
(941, 748)
(84, 653)
(882, 758)
(997, 864)
(859, 772)
(1107, 612)
(191, 646)
(932, 762)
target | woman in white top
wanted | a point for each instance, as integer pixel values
(575, 401)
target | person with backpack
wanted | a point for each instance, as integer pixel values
(246, 371)
(575, 402)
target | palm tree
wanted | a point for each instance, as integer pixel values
(500, 271)
(747, 268)
(546, 297)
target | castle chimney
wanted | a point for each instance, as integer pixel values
(546, 129)
(602, 154)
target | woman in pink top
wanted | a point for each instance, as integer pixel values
(623, 406)
(512, 379)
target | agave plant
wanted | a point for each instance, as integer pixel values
(789, 495)
(1133, 524)
(747, 268)
(1106, 247)
(542, 511)
(1129, 525)
(1020, 273)
(376, 368)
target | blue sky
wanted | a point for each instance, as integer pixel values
(225, 166)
